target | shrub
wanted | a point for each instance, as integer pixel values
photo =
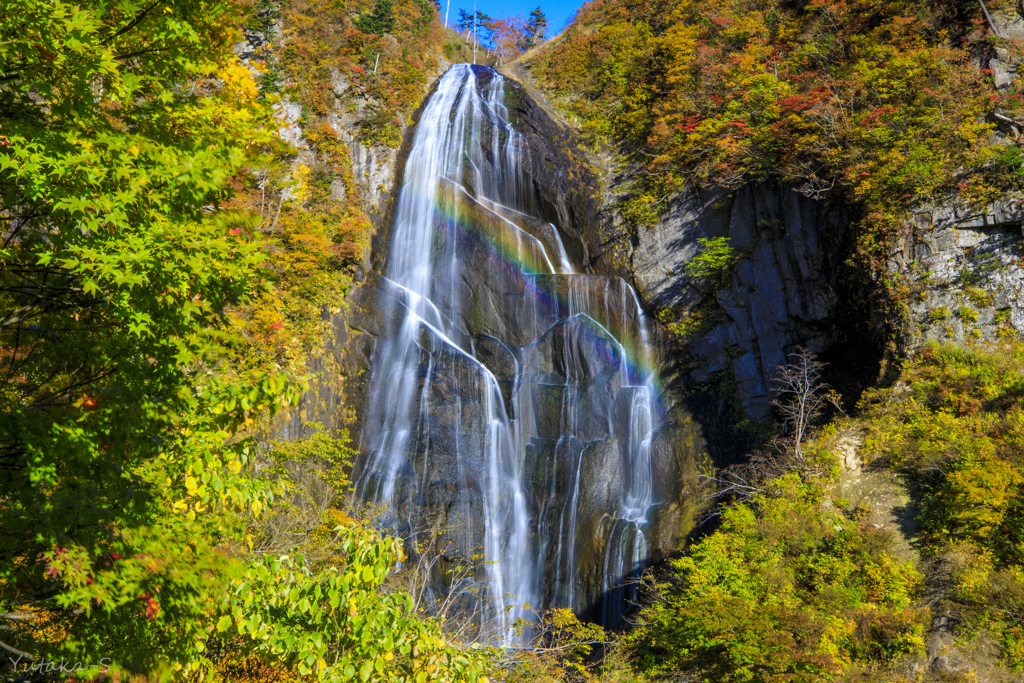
(958, 433)
(379, 20)
(788, 589)
(715, 259)
(967, 314)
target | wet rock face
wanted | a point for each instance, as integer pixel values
(782, 292)
(513, 401)
(963, 267)
(565, 188)
(519, 330)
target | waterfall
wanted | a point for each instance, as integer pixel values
(512, 401)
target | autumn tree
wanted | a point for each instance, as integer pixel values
(478, 26)
(786, 589)
(509, 36)
(713, 92)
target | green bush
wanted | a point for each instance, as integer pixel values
(716, 259)
(959, 435)
(967, 314)
(788, 589)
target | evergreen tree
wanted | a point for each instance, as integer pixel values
(380, 20)
(484, 28)
(537, 26)
(484, 25)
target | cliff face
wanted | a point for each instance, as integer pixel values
(793, 285)
(674, 96)
(964, 280)
(782, 292)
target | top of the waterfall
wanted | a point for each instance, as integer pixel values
(483, 74)
(477, 68)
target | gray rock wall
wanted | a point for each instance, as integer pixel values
(782, 291)
(963, 267)
(791, 286)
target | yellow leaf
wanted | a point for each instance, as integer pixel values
(238, 80)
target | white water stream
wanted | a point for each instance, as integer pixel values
(506, 381)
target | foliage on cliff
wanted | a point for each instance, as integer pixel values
(789, 588)
(383, 56)
(956, 427)
(884, 100)
(356, 69)
(315, 232)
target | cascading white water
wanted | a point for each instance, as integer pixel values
(505, 384)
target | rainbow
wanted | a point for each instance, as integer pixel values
(522, 260)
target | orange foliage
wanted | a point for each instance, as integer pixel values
(509, 36)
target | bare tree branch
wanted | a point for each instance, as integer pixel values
(800, 396)
(16, 651)
(995, 29)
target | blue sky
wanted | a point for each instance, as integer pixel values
(557, 11)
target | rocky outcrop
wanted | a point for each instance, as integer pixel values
(783, 290)
(962, 266)
(791, 285)
(1004, 61)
